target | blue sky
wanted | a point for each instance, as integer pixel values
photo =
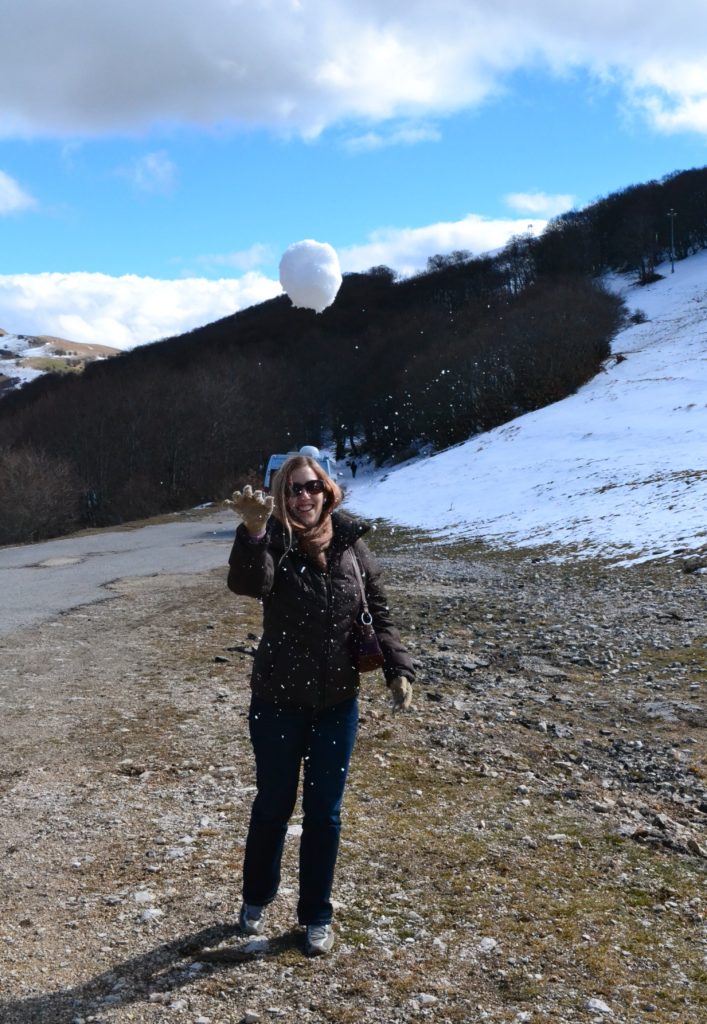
(156, 158)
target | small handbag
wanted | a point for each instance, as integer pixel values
(365, 648)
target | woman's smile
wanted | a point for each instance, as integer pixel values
(306, 508)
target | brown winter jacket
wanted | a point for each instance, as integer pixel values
(304, 656)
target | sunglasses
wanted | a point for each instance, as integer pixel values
(310, 486)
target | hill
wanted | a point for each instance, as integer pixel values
(391, 365)
(617, 469)
(24, 357)
(392, 369)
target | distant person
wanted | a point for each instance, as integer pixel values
(354, 467)
(297, 552)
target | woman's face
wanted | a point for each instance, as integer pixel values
(304, 506)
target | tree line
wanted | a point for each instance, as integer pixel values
(392, 366)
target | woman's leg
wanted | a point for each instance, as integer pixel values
(279, 737)
(326, 761)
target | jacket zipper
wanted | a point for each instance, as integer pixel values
(327, 650)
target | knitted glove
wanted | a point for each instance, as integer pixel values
(254, 508)
(401, 692)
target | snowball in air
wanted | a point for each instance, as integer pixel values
(310, 274)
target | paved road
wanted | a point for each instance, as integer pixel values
(39, 581)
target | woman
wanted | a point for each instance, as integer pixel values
(296, 552)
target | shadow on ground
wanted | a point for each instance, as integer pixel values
(163, 970)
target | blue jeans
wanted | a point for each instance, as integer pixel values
(322, 741)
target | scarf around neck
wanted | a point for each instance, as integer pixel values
(315, 541)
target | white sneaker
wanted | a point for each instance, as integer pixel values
(319, 939)
(250, 919)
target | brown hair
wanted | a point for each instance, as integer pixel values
(332, 492)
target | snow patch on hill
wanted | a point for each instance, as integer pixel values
(24, 357)
(618, 469)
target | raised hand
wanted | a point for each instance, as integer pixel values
(254, 508)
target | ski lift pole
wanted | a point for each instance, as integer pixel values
(672, 214)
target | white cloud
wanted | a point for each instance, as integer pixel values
(300, 67)
(153, 172)
(69, 152)
(13, 198)
(122, 311)
(677, 116)
(406, 135)
(407, 250)
(244, 259)
(540, 203)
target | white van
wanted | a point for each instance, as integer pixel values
(275, 461)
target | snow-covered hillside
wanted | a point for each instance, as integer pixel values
(619, 469)
(24, 357)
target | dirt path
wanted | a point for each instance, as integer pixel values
(529, 843)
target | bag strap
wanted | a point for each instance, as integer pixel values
(366, 616)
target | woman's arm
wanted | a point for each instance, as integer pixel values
(251, 566)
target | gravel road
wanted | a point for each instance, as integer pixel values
(39, 581)
(527, 844)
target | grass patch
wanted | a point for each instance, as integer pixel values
(595, 914)
(50, 364)
(693, 657)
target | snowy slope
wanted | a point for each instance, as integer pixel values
(18, 349)
(618, 469)
(18, 352)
